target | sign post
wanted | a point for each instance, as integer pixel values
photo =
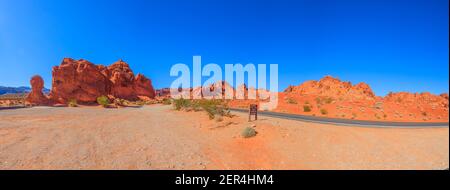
(253, 111)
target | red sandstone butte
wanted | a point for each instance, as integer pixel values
(85, 81)
(36, 96)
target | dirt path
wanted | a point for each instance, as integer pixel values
(156, 137)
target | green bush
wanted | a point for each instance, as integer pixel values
(323, 111)
(72, 103)
(306, 108)
(181, 103)
(318, 100)
(141, 103)
(324, 100)
(103, 100)
(248, 132)
(119, 102)
(212, 107)
(291, 101)
(166, 101)
(378, 105)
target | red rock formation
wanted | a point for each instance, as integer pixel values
(80, 80)
(143, 86)
(85, 81)
(333, 87)
(122, 79)
(330, 97)
(422, 99)
(36, 96)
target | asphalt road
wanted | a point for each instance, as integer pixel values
(12, 107)
(347, 122)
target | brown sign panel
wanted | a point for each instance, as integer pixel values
(253, 111)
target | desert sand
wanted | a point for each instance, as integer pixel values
(158, 137)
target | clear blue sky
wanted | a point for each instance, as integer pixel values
(393, 45)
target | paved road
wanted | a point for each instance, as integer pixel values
(347, 122)
(12, 107)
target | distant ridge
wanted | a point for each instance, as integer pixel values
(18, 90)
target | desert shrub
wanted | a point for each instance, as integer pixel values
(141, 103)
(318, 100)
(424, 114)
(329, 100)
(248, 132)
(166, 101)
(291, 101)
(196, 107)
(119, 102)
(72, 103)
(377, 116)
(378, 105)
(181, 103)
(323, 111)
(307, 108)
(213, 107)
(325, 100)
(103, 100)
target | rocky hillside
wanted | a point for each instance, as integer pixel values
(331, 97)
(333, 87)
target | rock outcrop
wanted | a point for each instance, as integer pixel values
(416, 99)
(333, 87)
(36, 96)
(141, 86)
(85, 81)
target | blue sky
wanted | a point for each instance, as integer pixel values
(394, 45)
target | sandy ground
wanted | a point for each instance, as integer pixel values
(157, 137)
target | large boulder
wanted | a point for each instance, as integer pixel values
(143, 86)
(122, 80)
(36, 96)
(80, 80)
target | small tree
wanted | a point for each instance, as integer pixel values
(103, 100)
